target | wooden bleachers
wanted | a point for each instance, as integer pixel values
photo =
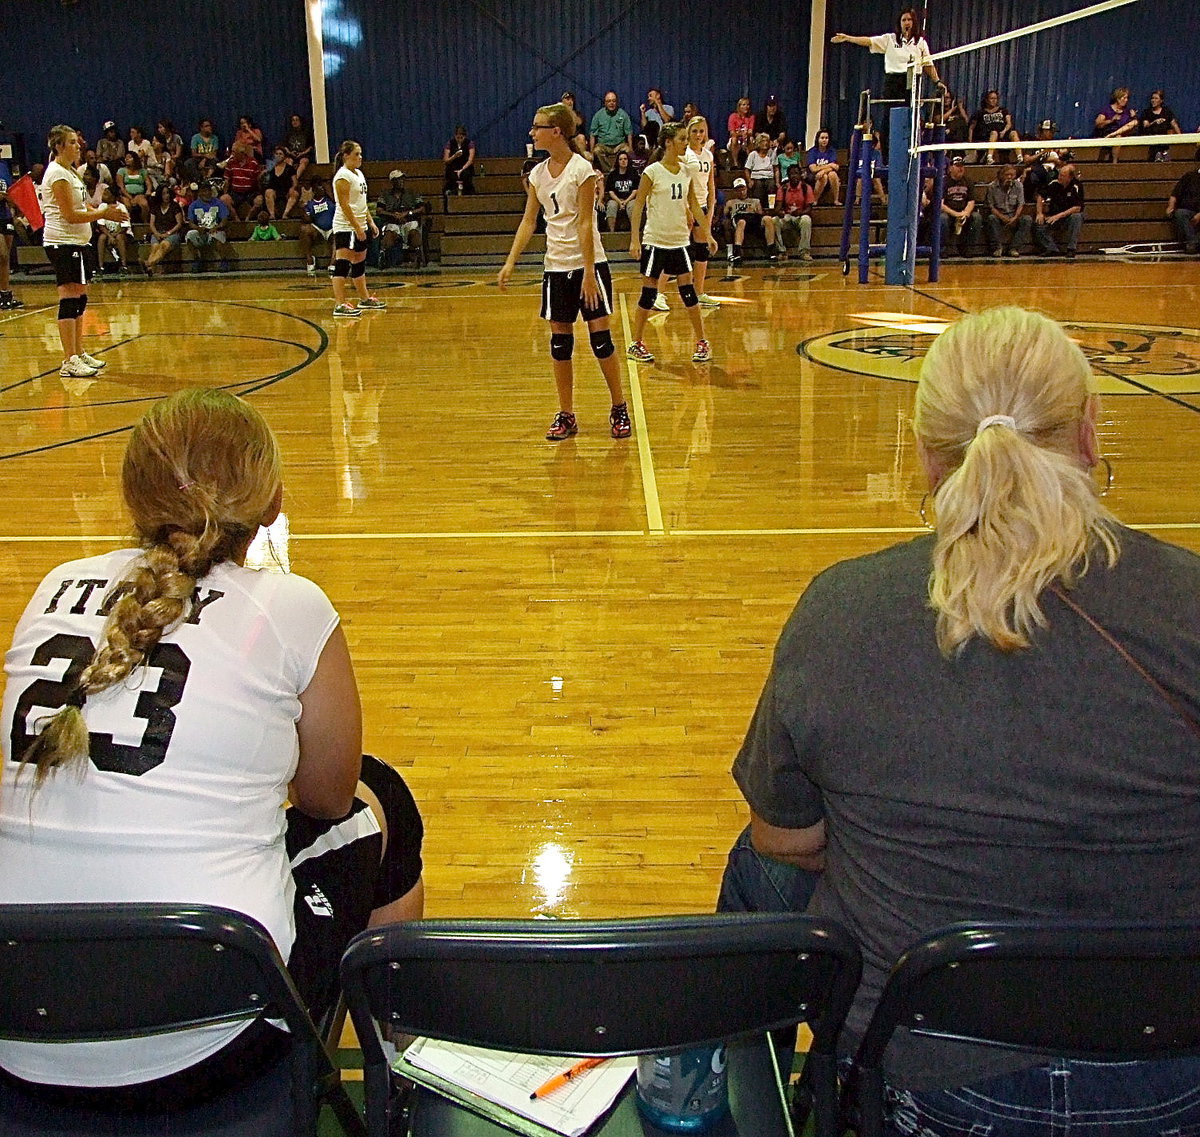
(1126, 203)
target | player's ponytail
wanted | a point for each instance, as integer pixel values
(1001, 404)
(200, 473)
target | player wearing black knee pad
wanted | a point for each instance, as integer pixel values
(576, 281)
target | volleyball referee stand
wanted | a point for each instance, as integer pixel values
(906, 175)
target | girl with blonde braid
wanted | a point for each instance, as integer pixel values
(162, 704)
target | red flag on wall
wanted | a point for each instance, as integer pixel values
(24, 195)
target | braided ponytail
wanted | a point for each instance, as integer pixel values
(200, 473)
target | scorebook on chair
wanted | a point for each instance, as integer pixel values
(497, 1084)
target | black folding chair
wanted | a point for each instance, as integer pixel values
(1103, 992)
(89, 972)
(604, 988)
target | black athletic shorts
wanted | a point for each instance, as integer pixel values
(697, 249)
(349, 240)
(562, 295)
(340, 878)
(656, 261)
(73, 264)
(7, 228)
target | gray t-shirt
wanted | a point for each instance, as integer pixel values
(1053, 782)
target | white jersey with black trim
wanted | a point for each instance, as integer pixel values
(667, 223)
(60, 231)
(560, 201)
(183, 797)
(358, 201)
(700, 167)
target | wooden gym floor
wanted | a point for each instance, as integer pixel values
(561, 645)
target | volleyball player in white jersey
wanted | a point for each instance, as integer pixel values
(162, 702)
(667, 188)
(576, 281)
(67, 241)
(351, 221)
(701, 164)
(698, 158)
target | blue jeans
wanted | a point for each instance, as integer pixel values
(754, 883)
(1185, 229)
(1046, 237)
(1066, 1098)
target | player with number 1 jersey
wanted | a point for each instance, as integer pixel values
(576, 280)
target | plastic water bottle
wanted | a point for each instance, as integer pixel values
(686, 1092)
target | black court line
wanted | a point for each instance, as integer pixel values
(1144, 388)
(256, 385)
(150, 398)
(53, 371)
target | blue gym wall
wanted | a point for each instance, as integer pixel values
(400, 74)
(1064, 73)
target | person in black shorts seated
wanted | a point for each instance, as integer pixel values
(246, 678)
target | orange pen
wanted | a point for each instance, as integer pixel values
(560, 1080)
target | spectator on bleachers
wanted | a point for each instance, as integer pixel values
(993, 123)
(794, 209)
(166, 229)
(279, 184)
(1183, 208)
(8, 230)
(170, 138)
(1041, 170)
(132, 186)
(620, 189)
(640, 156)
(138, 143)
(91, 164)
(264, 230)
(93, 189)
(1008, 225)
(773, 122)
(298, 141)
(822, 162)
(745, 214)
(112, 236)
(243, 173)
(876, 175)
(580, 137)
(110, 149)
(317, 229)
(741, 133)
(1115, 119)
(655, 115)
(250, 135)
(205, 142)
(787, 157)
(955, 119)
(610, 132)
(958, 218)
(401, 216)
(160, 166)
(459, 157)
(1060, 214)
(207, 218)
(760, 168)
(1158, 118)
